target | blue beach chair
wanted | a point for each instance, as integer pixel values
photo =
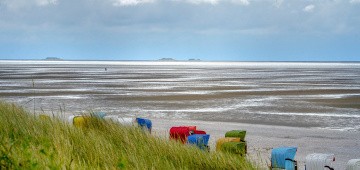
(144, 123)
(283, 158)
(200, 140)
(100, 115)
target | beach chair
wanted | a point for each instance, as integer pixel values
(181, 133)
(145, 124)
(283, 158)
(200, 140)
(221, 141)
(228, 144)
(353, 164)
(126, 121)
(236, 134)
(100, 115)
(79, 121)
(318, 161)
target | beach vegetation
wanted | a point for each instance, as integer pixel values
(30, 141)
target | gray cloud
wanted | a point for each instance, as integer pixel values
(128, 23)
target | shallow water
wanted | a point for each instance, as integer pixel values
(324, 95)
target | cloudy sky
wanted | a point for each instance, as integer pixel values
(232, 30)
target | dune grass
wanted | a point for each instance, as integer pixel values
(33, 142)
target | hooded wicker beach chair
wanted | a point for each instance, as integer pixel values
(181, 133)
(353, 164)
(80, 121)
(234, 142)
(221, 141)
(199, 140)
(145, 124)
(127, 121)
(100, 115)
(283, 158)
(317, 161)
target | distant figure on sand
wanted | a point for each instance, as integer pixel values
(105, 69)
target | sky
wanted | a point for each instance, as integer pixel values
(210, 30)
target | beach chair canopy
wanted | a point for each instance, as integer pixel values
(180, 133)
(236, 134)
(199, 132)
(144, 123)
(221, 141)
(317, 161)
(121, 120)
(98, 114)
(113, 118)
(283, 157)
(353, 164)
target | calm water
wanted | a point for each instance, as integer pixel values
(322, 95)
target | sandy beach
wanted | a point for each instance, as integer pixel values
(261, 138)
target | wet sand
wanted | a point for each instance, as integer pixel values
(261, 138)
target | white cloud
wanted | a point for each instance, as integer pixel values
(215, 2)
(241, 2)
(212, 2)
(131, 2)
(19, 4)
(46, 2)
(309, 8)
(278, 3)
(354, 1)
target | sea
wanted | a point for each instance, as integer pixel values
(297, 94)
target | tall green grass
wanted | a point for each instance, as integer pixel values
(32, 142)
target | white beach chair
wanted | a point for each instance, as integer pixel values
(128, 121)
(353, 164)
(319, 161)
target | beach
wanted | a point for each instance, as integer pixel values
(311, 105)
(262, 138)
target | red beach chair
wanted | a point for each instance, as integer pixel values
(181, 132)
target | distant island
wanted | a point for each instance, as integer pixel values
(171, 59)
(167, 59)
(192, 59)
(53, 58)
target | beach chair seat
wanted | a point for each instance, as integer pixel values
(200, 140)
(283, 158)
(145, 124)
(353, 164)
(318, 161)
(234, 147)
(236, 134)
(221, 141)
